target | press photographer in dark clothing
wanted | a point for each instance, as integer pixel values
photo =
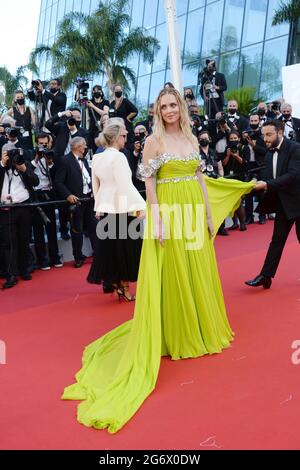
(134, 158)
(48, 103)
(212, 87)
(258, 149)
(66, 126)
(123, 108)
(44, 166)
(291, 124)
(235, 166)
(98, 107)
(16, 184)
(24, 118)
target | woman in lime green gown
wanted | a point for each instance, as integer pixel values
(180, 310)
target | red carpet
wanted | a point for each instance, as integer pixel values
(246, 398)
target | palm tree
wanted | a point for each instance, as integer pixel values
(11, 84)
(101, 43)
(288, 12)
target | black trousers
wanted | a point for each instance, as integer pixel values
(282, 228)
(83, 220)
(15, 225)
(39, 232)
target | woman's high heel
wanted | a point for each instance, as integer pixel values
(124, 295)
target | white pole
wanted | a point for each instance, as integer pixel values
(174, 51)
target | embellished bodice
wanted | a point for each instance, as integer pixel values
(171, 168)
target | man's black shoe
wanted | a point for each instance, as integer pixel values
(260, 280)
(65, 236)
(249, 221)
(223, 232)
(26, 277)
(262, 221)
(11, 282)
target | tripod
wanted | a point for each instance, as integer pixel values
(209, 99)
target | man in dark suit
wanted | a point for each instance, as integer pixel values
(73, 182)
(239, 122)
(291, 124)
(282, 195)
(16, 185)
(66, 126)
(212, 87)
(52, 102)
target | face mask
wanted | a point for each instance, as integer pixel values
(53, 90)
(189, 96)
(98, 94)
(232, 111)
(20, 101)
(204, 142)
(150, 118)
(78, 123)
(287, 116)
(254, 126)
(118, 94)
(261, 112)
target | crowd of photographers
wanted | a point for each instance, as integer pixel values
(46, 154)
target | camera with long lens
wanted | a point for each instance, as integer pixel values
(208, 169)
(222, 119)
(5, 126)
(35, 84)
(83, 88)
(233, 146)
(16, 157)
(72, 121)
(275, 106)
(42, 152)
(14, 132)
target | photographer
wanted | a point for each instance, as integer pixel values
(98, 107)
(212, 87)
(73, 182)
(149, 122)
(254, 139)
(238, 121)
(3, 134)
(190, 99)
(66, 126)
(123, 108)
(262, 111)
(44, 167)
(274, 110)
(49, 103)
(211, 166)
(16, 185)
(24, 118)
(291, 124)
(14, 141)
(220, 133)
(235, 166)
(135, 157)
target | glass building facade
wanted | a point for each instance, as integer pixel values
(237, 33)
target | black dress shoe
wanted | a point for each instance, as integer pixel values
(243, 228)
(78, 263)
(26, 277)
(11, 282)
(233, 227)
(262, 221)
(223, 232)
(260, 280)
(65, 236)
(249, 221)
(108, 288)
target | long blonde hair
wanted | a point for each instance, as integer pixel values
(185, 126)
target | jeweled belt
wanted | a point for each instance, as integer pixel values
(177, 180)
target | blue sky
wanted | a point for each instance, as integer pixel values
(19, 25)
